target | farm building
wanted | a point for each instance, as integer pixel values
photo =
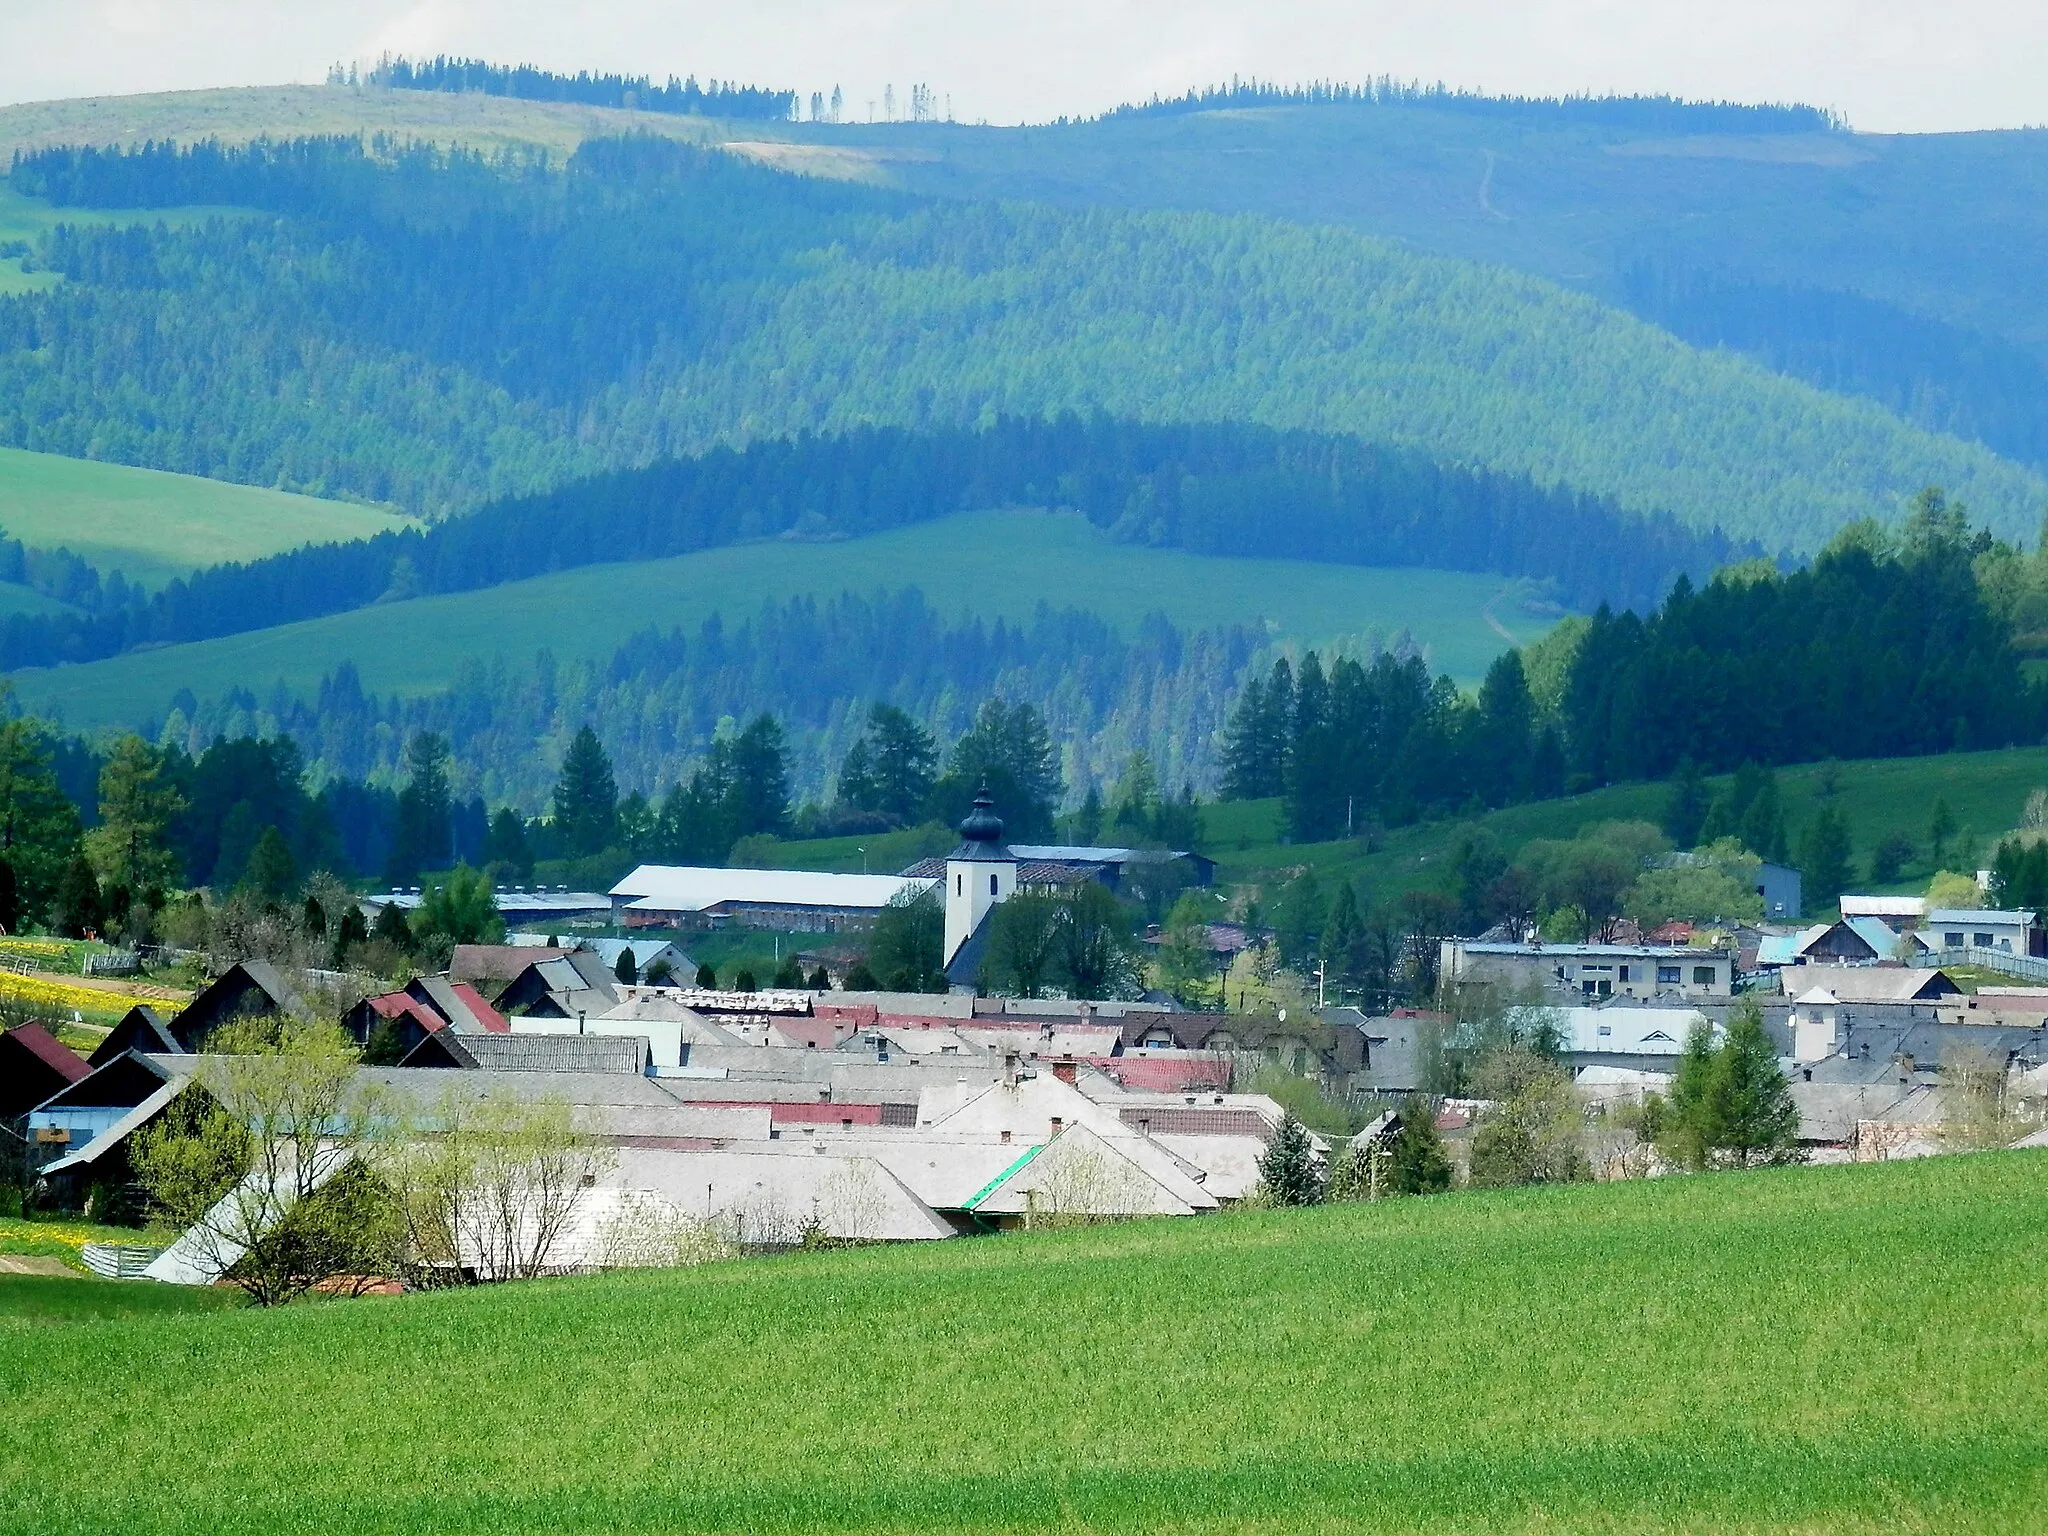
(802, 901)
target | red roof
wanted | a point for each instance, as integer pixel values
(494, 1022)
(1164, 1074)
(50, 1051)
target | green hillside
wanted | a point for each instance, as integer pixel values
(151, 526)
(1843, 1350)
(786, 305)
(1986, 792)
(996, 564)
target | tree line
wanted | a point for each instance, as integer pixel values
(819, 666)
(1211, 489)
(528, 82)
(1635, 114)
(1885, 647)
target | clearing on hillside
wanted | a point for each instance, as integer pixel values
(995, 564)
(151, 526)
(1843, 1350)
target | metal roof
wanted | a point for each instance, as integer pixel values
(2003, 916)
(687, 888)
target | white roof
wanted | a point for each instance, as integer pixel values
(1967, 915)
(1884, 906)
(684, 888)
(1819, 997)
(1629, 1031)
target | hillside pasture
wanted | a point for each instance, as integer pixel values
(152, 526)
(1985, 791)
(993, 564)
(1842, 1350)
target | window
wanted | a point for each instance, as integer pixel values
(1981, 940)
(1586, 987)
(959, 885)
(1703, 975)
(1952, 940)
(992, 885)
(1667, 975)
(1605, 1029)
(1607, 989)
(1624, 973)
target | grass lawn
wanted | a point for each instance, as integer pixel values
(1008, 561)
(1845, 1350)
(61, 1238)
(44, 1301)
(152, 526)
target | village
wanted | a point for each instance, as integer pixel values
(664, 1115)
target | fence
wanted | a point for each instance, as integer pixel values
(2004, 961)
(113, 962)
(115, 1261)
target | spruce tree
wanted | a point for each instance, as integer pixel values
(1418, 1163)
(586, 799)
(707, 978)
(1824, 857)
(1288, 1170)
(1343, 938)
(1690, 1129)
(424, 836)
(131, 845)
(78, 899)
(624, 970)
(1753, 1112)
(820, 980)
(1685, 811)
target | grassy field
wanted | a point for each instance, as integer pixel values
(1009, 562)
(1841, 1350)
(152, 526)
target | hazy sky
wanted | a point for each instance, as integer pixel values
(1903, 65)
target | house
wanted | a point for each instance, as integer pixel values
(1594, 970)
(1646, 1039)
(34, 1065)
(527, 1052)
(1852, 941)
(515, 903)
(1870, 983)
(2011, 932)
(1782, 890)
(80, 1136)
(678, 896)
(424, 1006)
(1898, 913)
(246, 989)
(653, 959)
(487, 967)
(141, 1028)
(1050, 865)
(561, 987)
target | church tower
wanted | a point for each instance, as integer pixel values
(979, 873)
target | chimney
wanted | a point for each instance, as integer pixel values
(1058, 1125)
(1012, 1068)
(1066, 1070)
(1905, 1065)
(1006, 1138)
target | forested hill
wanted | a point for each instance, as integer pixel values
(435, 330)
(1208, 489)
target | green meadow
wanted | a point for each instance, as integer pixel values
(1844, 1350)
(152, 526)
(995, 564)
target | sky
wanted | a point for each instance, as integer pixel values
(1890, 65)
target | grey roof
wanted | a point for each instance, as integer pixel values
(1595, 951)
(1828, 1112)
(1867, 983)
(548, 1053)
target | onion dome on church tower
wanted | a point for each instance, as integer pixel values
(981, 834)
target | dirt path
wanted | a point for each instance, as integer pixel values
(1486, 190)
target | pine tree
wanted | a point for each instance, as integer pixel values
(1418, 1163)
(1288, 1171)
(78, 899)
(707, 978)
(905, 762)
(423, 837)
(1685, 811)
(624, 970)
(131, 845)
(789, 975)
(505, 842)
(1754, 1116)
(820, 981)
(1690, 1129)
(586, 798)
(1940, 828)
(272, 871)
(1824, 856)
(1343, 937)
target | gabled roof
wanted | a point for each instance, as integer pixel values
(496, 962)
(2001, 916)
(1872, 983)
(46, 1049)
(140, 1029)
(531, 1052)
